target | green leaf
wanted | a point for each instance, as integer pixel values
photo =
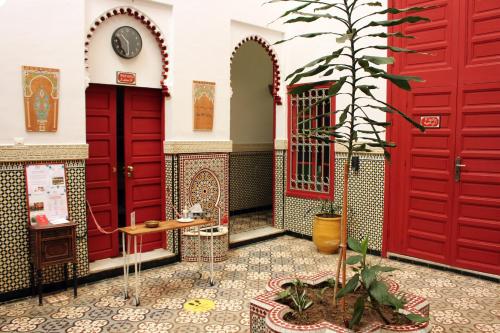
(353, 260)
(395, 302)
(366, 89)
(349, 287)
(364, 246)
(402, 81)
(306, 87)
(334, 89)
(303, 19)
(403, 10)
(368, 275)
(397, 49)
(406, 19)
(310, 35)
(383, 269)
(343, 115)
(391, 109)
(378, 290)
(354, 244)
(379, 60)
(416, 318)
(294, 10)
(392, 34)
(312, 72)
(359, 308)
(345, 37)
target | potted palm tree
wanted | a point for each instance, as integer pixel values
(356, 67)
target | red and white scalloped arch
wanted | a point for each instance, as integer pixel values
(274, 58)
(148, 23)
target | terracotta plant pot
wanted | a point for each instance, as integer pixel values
(326, 233)
(266, 315)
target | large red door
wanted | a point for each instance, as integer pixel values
(101, 170)
(143, 141)
(447, 209)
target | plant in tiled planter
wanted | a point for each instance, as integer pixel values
(357, 62)
(298, 304)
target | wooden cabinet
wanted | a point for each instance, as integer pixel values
(52, 245)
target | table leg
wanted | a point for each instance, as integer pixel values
(125, 264)
(66, 276)
(39, 284)
(200, 263)
(211, 256)
(75, 280)
(32, 279)
(136, 273)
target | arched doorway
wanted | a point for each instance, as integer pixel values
(255, 84)
(125, 132)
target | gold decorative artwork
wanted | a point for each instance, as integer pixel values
(203, 105)
(41, 98)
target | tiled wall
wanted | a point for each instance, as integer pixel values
(250, 180)
(366, 199)
(14, 250)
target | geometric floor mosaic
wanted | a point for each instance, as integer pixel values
(250, 221)
(458, 303)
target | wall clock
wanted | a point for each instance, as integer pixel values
(126, 42)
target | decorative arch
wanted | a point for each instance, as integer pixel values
(145, 20)
(276, 69)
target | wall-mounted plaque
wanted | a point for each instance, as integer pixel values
(203, 105)
(430, 121)
(125, 78)
(41, 98)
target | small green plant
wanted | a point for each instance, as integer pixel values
(367, 283)
(297, 293)
(327, 208)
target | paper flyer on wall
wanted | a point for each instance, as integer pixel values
(47, 197)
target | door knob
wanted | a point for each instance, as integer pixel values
(130, 170)
(458, 168)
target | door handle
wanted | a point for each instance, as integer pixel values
(458, 168)
(130, 170)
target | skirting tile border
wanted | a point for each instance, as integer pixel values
(23, 153)
(251, 147)
(193, 147)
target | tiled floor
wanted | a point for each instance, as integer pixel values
(250, 221)
(458, 303)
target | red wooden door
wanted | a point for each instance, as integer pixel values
(476, 232)
(144, 183)
(432, 216)
(101, 170)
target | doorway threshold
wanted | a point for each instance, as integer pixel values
(117, 262)
(248, 237)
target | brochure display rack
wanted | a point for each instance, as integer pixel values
(52, 236)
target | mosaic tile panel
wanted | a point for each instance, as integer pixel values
(250, 180)
(189, 246)
(279, 189)
(458, 303)
(191, 165)
(171, 197)
(366, 197)
(14, 261)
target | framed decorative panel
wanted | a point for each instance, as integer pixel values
(203, 105)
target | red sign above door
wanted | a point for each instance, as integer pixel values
(125, 78)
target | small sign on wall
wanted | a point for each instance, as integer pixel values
(430, 121)
(128, 78)
(203, 105)
(41, 98)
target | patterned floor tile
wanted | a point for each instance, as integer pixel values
(458, 303)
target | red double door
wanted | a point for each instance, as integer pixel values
(443, 195)
(124, 171)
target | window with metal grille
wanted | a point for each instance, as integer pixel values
(310, 160)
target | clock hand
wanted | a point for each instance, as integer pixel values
(127, 42)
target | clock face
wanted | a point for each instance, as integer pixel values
(126, 42)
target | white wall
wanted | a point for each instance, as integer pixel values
(251, 103)
(201, 35)
(35, 33)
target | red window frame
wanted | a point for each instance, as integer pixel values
(300, 188)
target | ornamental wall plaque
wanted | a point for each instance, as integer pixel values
(41, 98)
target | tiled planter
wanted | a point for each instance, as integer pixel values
(189, 245)
(266, 315)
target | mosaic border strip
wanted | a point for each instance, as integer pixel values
(25, 153)
(193, 147)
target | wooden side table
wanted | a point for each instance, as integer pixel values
(52, 245)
